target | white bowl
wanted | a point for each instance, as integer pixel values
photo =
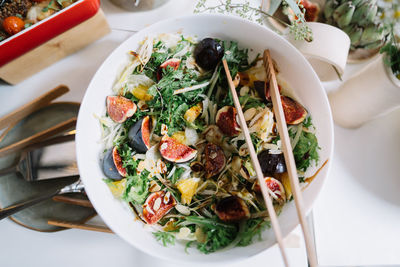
(294, 68)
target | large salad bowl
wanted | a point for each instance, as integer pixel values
(294, 69)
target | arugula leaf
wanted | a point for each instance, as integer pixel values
(306, 150)
(219, 234)
(168, 107)
(136, 189)
(251, 102)
(252, 228)
(307, 122)
(125, 151)
(165, 238)
(237, 60)
(178, 172)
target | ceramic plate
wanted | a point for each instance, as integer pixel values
(14, 189)
(294, 69)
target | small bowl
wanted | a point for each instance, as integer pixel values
(47, 29)
(295, 70)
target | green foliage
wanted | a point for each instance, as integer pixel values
(125, 151)
(252, 228)
(169, 108)
(251, 102)
(165, 238)
(136, 189)
(219, 235)
(298, 28)
(178, 172)
(392, 51)
(306, 150)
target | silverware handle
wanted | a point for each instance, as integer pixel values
(4, 213)
(8, 170)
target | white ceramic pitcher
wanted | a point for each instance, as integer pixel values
(372, 92)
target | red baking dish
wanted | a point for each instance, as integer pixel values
(46, 29)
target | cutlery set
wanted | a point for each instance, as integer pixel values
(40, 158)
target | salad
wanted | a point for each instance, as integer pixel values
(174, 151)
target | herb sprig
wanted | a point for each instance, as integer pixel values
(165, 238)
(392, 51)
(298, 28)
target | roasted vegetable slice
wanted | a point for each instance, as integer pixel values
(192, 113)
(232, 209)
(214, 159)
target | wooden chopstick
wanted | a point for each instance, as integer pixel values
(82, 226)
(288, 153)
(256, 165)
(32, 106)
(59, 128)
(73, 201)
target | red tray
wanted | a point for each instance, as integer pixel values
(47, 29)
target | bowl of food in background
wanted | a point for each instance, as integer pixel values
(27, 24)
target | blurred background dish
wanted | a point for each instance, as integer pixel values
(139, 5)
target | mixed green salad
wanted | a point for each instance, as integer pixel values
(174, 150)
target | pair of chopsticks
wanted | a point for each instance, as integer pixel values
(77, 225)
(289, 159)
(16, 116)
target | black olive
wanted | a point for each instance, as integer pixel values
(109, 168)
(271, 163)
(208, 53)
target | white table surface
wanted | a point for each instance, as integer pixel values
(356, 217)
(23, 247)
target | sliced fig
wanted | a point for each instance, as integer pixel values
(262, 89)
(214, 160)
(139, 135)
(226, 121)
(232, 209)
(157, 205)
(112, 165)
(173, 62)
(312, 10)
(271, 163)
(294, 112)
(276, 188)
(174, 151)
(120, 108)
(208, 53)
